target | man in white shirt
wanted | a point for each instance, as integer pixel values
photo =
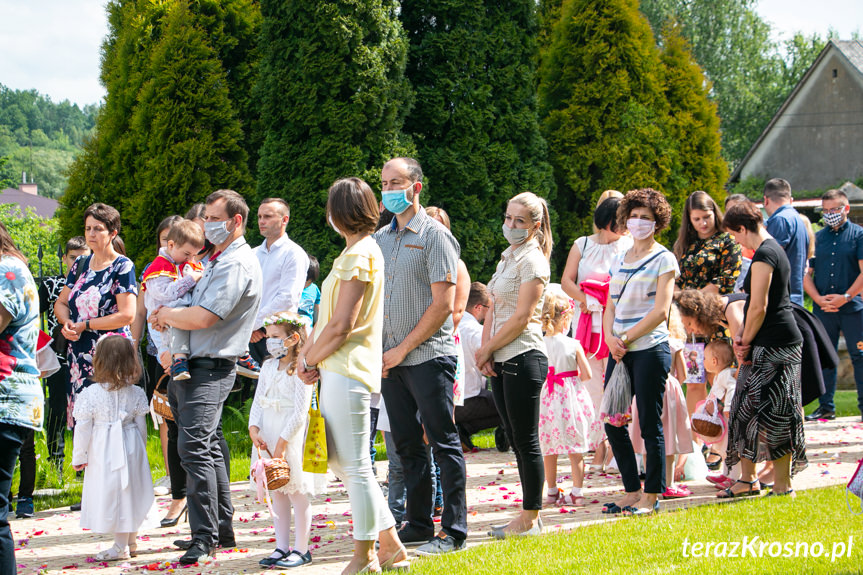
(284, 266)
(479, 411)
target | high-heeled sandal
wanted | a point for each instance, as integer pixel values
(113, 553)
(729, 494)
(373, 566)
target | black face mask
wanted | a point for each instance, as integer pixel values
(208, 245)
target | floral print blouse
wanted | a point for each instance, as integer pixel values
(713, 260)
(21, 397)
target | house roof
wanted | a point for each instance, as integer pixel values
(44, 207)
(851, 50)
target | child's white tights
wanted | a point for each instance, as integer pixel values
(123, 540)
(302, 508)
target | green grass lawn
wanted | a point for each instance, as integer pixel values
(656, 544)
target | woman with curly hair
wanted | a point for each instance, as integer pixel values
(636, 330)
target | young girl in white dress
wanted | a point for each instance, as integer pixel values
(111, 442)
(566, 410)
(278, 422)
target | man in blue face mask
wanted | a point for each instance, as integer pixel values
(419, 362)
(834, 283)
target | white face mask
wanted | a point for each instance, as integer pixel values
(216, 232)
(276, 347)
(640, 229)
(515, 236)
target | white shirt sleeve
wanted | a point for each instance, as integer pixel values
(163, 290)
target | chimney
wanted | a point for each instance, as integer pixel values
(30, 188)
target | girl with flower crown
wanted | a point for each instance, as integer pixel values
(277, 425)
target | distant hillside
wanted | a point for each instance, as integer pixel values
(41, 137)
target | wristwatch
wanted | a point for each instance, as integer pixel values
(308, 367)
(625, 339)
(847, 296)
(87, 325)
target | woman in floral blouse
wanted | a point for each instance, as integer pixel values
(99, 297)
(709, 260)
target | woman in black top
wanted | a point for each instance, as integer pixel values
(766, 419)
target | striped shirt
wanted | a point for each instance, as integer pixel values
(422, 253)
(639, 295)
(518, 264)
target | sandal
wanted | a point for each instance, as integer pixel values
(398, 561)
(713, 465)
(612, 509)
(729, 494)
(113, 553)
(552, 499)
(570, 500)
(783, 494)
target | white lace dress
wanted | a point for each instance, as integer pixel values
(566, 414)
(110, 437)
(281, 409)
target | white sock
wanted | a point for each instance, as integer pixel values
(121, 541)
(282, 523)
(576, 491)
(552, 490)
(302, 521)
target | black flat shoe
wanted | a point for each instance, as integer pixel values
(295, 559)
(173, 522)
(268, 561)
(821, 414)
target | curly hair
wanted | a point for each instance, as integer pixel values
(645, 198)
(704, 307)
(555, 309)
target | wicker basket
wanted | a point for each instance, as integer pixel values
(278, 471)
(706, 428)
(160, 399)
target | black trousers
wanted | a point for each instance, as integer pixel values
(516, 389)
(59, 386)
(648, 370)
(197, 406)
(11, 438)
(27, 459)
(478, 412)
(427, 389)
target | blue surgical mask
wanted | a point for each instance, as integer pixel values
(397, 201)
(216, 232)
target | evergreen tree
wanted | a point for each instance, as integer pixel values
(186, 131)
(472, 65)
(106, 169)
(602, 107)
(693, 126)
(333, 98)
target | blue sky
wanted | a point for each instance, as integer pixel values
(53, 45)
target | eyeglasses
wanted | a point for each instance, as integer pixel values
(833, 211)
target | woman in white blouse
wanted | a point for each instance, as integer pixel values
(513, 353)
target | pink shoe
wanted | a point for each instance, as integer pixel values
(570, 500)
(676, 491)
(717, 479)
(552, 499)
(724, 484)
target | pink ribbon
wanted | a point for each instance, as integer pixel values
(557, 378)
(259, 472)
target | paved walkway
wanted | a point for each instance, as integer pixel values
(52, 542)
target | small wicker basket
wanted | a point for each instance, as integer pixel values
(706, 428)
(278, 472)
(160, 399)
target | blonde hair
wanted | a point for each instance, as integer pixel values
(555, 309)
(810, 253)
(675, 324)
(722, 351)
(538, 209)
(438, 214)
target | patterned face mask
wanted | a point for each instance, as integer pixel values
(833, 220)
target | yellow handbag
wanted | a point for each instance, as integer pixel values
(315, 449)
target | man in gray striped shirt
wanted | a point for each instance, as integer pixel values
(420, 264)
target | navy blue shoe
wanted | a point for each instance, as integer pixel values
(24, 508)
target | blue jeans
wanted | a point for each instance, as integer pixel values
(11, 438)
(648, 370)
(851, 326)
(397, 492)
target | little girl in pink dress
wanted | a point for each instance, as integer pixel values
(566, 410)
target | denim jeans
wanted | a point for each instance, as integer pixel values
(397, 492)
(648, 370)
(11, 438)
(197, 406)
(851, 326)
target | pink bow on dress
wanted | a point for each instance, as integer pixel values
(557, 378)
